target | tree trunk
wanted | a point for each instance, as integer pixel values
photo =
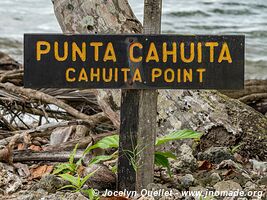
(225, 121)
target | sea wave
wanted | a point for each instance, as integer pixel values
(188, 13)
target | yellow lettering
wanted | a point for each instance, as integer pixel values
(40, 51)
(201, 71)
(137, 76)
(125, 73)
(225, 54)
(166, 75)
(65, 52)
(172, 53)
(131, 52)
(199, 52)
(192, 53)
(179, 75)
(188, 75)
(68, 79)
(83, 76)
(105, 78)
(110, 53)
(116, 74)
(94, 74)
(152, 54)
(212, 45)
(156, 72)
(96, 46)
(81, 52)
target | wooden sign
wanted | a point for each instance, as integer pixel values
(134, 61)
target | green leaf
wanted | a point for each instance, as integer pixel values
(91, 194)
(79, 182)
(178, 135)
(72, 156)
(98, 159)
(162, 161)
(72, 179)
(65, 167)
(114, 169)
(235, 149)
(167, 155)
(105, 143)
(68, 186)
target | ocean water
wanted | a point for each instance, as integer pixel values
(248, 17)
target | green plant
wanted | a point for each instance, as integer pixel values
(105, 143)
(133, 156)
(91, 194)
(77, 183)
(161, 158)
(178, 135)
(68, 172)
(71, 167)
(236, 148)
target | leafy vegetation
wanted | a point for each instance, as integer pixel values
(161, 158)
(178, 135)
(69, 171)
(77, 183)
(71, 167)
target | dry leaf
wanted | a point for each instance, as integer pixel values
(80, 170)
(40, 171)
(239, 158)
(228, 172)
(35, 148)
(6, 155)
(21, 146)
(204, 165)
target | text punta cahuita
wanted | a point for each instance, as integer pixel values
(156, 54)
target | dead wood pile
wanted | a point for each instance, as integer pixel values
(45, 120)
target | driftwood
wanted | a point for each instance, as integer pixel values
(254, 95)
(223, 120)
(48, 104)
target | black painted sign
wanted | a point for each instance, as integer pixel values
(134, 61)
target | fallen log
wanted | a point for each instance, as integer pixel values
(58, 153)
(225, 121)
(29, 156)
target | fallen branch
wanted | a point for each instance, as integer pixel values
(45, 98)
(45, 130)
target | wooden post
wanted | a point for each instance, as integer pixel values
(139, 121)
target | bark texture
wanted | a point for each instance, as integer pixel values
(225, 122)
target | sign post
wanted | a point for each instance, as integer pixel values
(139, 121)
